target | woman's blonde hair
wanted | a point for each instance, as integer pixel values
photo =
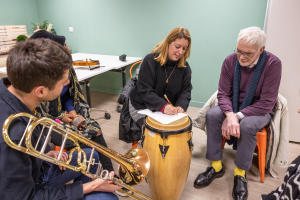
(162, 48)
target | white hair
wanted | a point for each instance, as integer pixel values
(253, 36)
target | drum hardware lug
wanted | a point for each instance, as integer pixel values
(191, 145)
(143, 135)
(163, 149)
(190, 142)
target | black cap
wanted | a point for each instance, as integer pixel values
(45, 34)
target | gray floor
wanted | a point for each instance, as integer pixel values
(220, 188)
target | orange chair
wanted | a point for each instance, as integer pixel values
(132, 67)
(262, 148)
(135, 143)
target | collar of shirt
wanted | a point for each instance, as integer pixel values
(254, 63)
(16, 104)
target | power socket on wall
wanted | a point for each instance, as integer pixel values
(137, 71)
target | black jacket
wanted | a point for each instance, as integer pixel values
(151, 85)
(128, 129)
(19, 172)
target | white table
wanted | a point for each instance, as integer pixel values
(110, 63)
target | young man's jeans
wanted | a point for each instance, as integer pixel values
(57, 177)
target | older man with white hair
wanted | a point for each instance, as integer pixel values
(248, 88)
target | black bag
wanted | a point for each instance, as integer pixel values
(128, 130)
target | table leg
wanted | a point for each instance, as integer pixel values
(123, 71)
(88, 92)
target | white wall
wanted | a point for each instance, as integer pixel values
(283, 40)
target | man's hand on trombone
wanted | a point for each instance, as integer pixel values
(63, 158)
(100, 185)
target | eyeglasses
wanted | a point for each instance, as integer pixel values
(248, 55)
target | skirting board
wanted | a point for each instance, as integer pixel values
(197, 104)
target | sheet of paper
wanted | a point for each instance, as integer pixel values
(162, 118)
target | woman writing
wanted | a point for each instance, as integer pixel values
(164, 72)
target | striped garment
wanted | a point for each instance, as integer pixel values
(290, 189)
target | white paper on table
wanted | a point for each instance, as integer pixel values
(161, 117)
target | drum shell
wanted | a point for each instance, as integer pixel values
(167, 176)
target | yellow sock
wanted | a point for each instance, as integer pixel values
(240, 172)
(217, 165)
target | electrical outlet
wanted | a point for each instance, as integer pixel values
(71, 29)
(137, 71)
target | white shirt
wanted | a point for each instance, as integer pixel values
(254, 63)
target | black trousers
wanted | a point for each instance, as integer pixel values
(104, 160)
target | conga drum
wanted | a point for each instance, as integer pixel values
(170, 149)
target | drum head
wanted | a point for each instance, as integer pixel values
(180, 126)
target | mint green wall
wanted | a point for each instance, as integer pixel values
(134, 27)
(18, 12)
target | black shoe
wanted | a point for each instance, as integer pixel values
(205, 178)
(240, 190)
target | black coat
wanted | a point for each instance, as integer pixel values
(128, 130)
(151, 85)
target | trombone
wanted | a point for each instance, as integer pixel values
(134, 164)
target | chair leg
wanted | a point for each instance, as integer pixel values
(262, 147)
(223, 142)
(134, 144)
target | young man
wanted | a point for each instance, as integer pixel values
(37, 71)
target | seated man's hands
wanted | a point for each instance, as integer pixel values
(170, 110)
(64, 157)
(230, 126)
(100, 185)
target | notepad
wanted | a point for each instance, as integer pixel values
(161, 117)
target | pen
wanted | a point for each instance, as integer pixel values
(169, 102)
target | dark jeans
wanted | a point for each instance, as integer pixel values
(57, 177)
(249, 126)
(104, 160)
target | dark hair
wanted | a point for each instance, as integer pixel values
(39, 62)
